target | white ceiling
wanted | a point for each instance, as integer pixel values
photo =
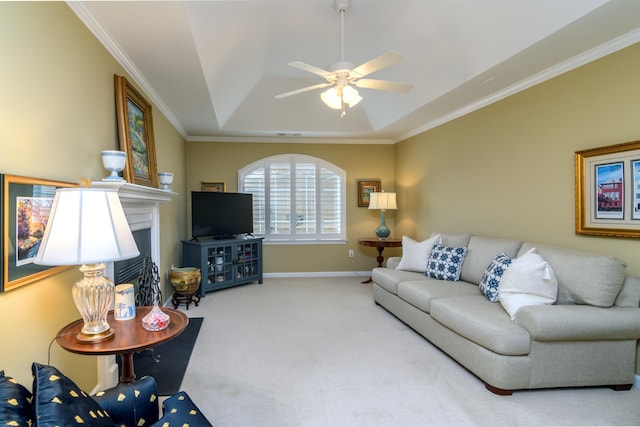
(214, 67)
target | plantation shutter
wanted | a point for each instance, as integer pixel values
(295, 198)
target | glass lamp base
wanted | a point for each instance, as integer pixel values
(95, 338)
(93, 296)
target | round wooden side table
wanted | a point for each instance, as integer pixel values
(379, 244)
(129, 338)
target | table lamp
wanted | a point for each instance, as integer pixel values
(87, 226)
(382, 201)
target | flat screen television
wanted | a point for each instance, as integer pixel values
(221, 215)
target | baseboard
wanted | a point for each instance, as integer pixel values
(636, 381)
(362, 274)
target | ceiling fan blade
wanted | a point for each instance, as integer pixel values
(384, 60)
(383, 85)
(304, 89)
(311, 68)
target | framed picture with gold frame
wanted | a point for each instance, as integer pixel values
(135, 131)
(214, 187)
(26, 203)
(365, 188)
(608, 190)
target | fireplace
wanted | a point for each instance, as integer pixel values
(141, 206)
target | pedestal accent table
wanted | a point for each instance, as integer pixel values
(379, 244)
(129, 338)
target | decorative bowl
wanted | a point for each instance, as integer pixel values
(114, 162)
(185, 281)
(165, 179)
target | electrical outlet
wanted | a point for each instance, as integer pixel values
(351, 254)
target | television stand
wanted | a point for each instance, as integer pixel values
(224, 263)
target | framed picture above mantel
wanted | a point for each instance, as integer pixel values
(608, 190)
(135, 131)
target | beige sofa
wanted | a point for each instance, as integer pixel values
(588, 337)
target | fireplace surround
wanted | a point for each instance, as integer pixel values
(141, 206)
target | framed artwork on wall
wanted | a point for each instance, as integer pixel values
(365, 188)
(135, 132)
(608, 190)
(214, 187)
(26, 203)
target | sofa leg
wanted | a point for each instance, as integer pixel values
(498, 391)
(621, 387)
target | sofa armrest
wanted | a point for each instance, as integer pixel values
(392, 262)
(579, 322)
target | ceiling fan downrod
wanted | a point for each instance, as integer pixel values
(342, 6)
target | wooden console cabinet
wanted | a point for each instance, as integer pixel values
(224, 263)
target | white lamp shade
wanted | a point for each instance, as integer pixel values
(382, 200)
(86, 226)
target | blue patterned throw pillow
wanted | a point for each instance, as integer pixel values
(15, 403)
(492, 275)
(445, 263)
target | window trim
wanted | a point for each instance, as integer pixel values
(292, 160)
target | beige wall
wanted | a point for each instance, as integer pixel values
(508, 169)
(57, 113)
(221, 162)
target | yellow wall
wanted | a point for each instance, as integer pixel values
(508, 169)
(221, 162)
(57, 112)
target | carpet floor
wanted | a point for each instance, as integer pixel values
(318, 352)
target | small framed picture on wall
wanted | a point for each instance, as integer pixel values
(365, 188)
(214, 187)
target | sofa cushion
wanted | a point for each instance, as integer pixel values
(455, 240)
(389, 279)
(420, 293)
(58, 401)
(15, 403)
(131, 404)
(528, 281)
(416, 254)
(445, 262)
(481, 251)
(629, 295)
(492, 276)
(180, 411)
(484, 323)
(583, 277)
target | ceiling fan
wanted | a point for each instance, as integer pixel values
(342, 75)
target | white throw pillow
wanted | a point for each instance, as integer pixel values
(529, 280)
(416, 254)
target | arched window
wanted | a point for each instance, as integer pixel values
(296, 198)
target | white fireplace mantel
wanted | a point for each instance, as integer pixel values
(141, 206)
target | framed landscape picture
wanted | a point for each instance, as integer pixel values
(26, 203)
(608, 190)
(365, 188)
(135, 131)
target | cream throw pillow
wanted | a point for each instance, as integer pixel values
(529, 280)
(416, 254)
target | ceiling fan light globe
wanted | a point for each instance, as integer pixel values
(331, 98)
(350, 96)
